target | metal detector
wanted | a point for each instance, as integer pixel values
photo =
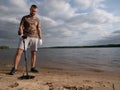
(27, 76)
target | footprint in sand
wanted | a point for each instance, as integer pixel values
(51, 87)
(69, 88)
(14, 85)
(87, 81)
(77, 88)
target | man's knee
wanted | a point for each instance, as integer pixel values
(19, 51)
(33, 52)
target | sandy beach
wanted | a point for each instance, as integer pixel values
(59, 79)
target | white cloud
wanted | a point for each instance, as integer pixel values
(13, 10)
(98, 4)
(86, 4)
(3, 8)
(19, 3)
(83, 4)
(9, 20)
(99, 16)
(14, 6)
(48, 22)
(57, 9)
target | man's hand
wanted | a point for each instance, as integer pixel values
(40, 41)
(21, 35)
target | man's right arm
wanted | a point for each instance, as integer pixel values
(21, 27)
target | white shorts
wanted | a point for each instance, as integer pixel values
(29, 41)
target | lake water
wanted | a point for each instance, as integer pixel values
(107, 59)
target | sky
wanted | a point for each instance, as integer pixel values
(64, 22)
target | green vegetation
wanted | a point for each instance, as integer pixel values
(4, 47)
(94, 46)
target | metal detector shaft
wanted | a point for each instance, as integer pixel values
(25, 56)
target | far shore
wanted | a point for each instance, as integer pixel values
(87, 46)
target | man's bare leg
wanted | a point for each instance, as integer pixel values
(17, 58)
(33, 61)
(16, 61)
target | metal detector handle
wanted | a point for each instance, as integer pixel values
(24, 37)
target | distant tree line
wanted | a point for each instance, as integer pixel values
(4, 47)
(94, 46)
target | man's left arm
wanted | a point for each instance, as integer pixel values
(39, 32)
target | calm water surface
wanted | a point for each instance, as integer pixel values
(107, 59)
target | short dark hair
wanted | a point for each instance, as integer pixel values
(34, 6)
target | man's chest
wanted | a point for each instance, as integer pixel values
(31, 22)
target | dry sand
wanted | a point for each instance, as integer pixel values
(56, 79)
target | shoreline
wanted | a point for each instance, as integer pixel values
(69, 68)
(56, 79)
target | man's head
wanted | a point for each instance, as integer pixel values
(33, 10)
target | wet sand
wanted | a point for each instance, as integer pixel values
(60, 79)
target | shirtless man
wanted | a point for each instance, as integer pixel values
(30, 27)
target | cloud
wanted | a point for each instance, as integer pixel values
(13, 7)
(87, 4)
(83, 4)
(98, 4)
(48, 22)
(56, 9)
(113, 38)
(11, 12)
(90, 23)
(64, 22)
